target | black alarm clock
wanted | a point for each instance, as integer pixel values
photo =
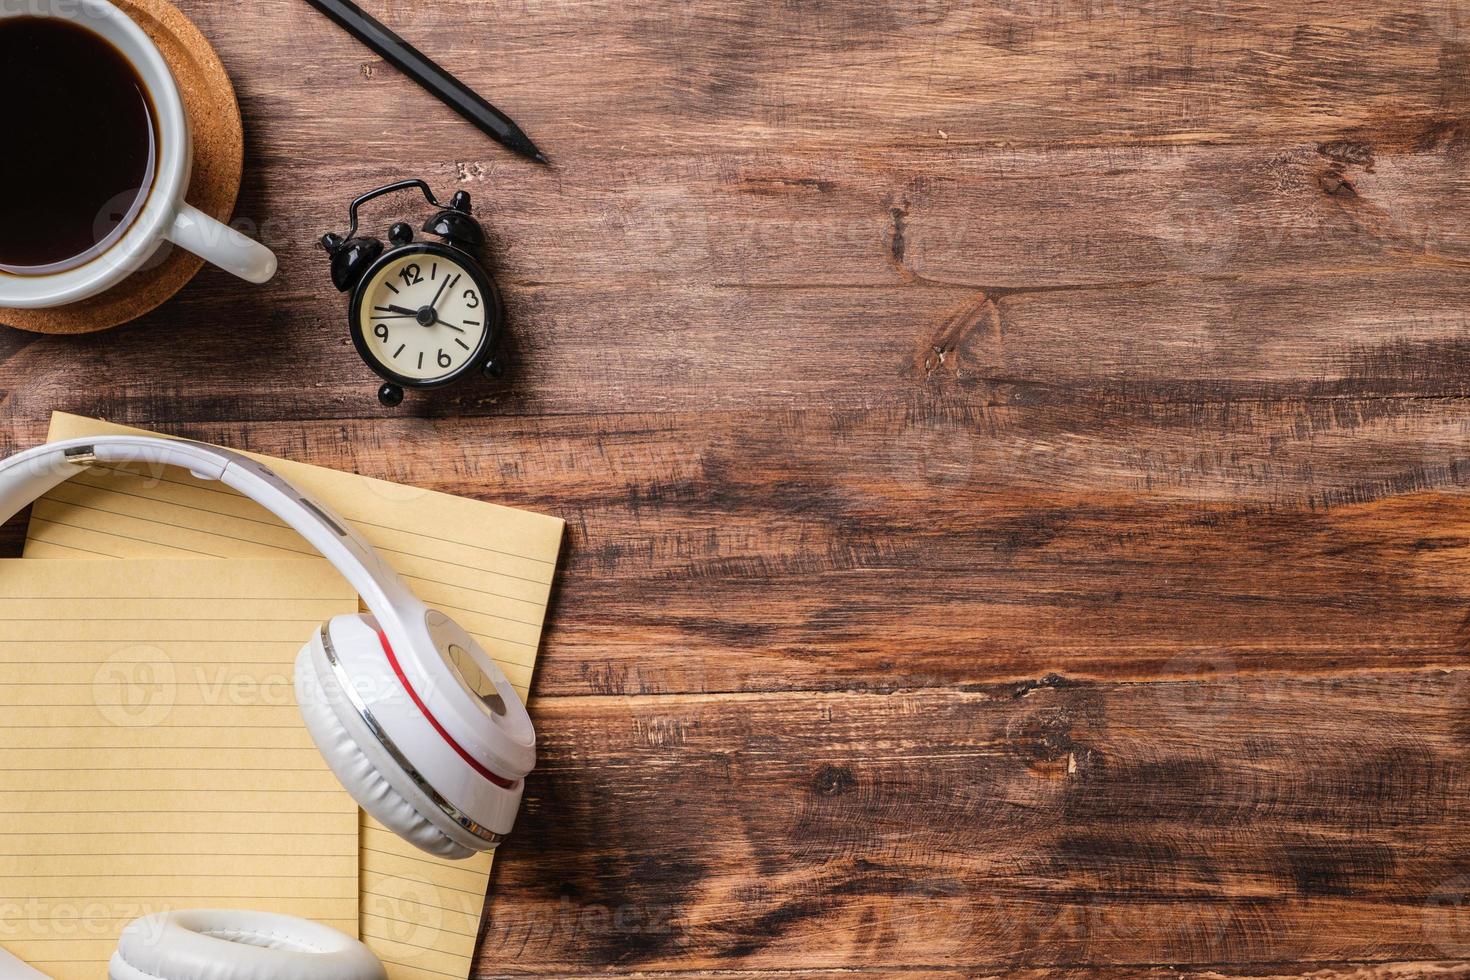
(423, 314)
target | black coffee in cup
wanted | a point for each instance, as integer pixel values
(81, 144)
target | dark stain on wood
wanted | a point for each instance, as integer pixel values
(833, 780)
(1356, 152)
(1333, 869)
(1336, 185)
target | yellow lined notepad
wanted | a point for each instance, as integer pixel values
(151, 753)
(489, 567)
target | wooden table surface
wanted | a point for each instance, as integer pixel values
(1015, 457)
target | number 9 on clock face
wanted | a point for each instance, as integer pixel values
(423, 316)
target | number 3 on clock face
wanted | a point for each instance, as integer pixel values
(424, 316)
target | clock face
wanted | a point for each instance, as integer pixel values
(423, 316)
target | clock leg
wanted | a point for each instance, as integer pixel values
(495, 368)
(390, 395)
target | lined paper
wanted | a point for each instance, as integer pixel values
(489, 567)
(151, 753)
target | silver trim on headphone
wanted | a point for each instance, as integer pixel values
(449, 809)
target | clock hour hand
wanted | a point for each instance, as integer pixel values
(392, 313)
(425, 315)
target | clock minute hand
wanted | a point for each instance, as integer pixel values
(435, 304)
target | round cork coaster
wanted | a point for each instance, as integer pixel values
(219, 157)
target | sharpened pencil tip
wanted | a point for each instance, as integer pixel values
(540, 157)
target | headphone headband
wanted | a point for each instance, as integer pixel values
(30, 475)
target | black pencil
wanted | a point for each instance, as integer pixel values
(422, 69)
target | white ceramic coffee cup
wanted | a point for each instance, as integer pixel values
(165, 215)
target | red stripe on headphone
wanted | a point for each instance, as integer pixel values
(500, 781)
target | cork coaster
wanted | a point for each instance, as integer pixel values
(219, 156)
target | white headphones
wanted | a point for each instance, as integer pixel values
(413, 717)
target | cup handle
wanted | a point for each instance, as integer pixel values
(221, 245)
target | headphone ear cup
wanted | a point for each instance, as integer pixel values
(316, 694)
(229, 944)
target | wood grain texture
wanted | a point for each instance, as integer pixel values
(1058, 823)
(1015, 456)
